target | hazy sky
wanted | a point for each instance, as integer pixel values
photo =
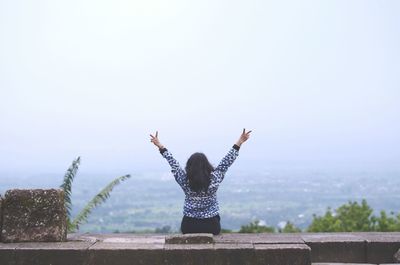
(317, 81)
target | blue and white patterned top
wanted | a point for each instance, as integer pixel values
(201, 204)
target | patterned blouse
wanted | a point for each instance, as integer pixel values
(201, 204)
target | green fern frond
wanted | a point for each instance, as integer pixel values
(101, 197)
(66, 186)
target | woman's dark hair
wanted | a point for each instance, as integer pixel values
(198, 171)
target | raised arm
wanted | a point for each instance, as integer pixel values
(227, 161)
(229, 158)
(176, 169)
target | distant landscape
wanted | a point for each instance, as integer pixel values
(150, 201)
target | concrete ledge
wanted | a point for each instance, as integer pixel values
(7, 253)
(52, 253)
(381, 247)
(397, 256)
(329, 263)
(189, 254)
(336, 247)
(288, 254)
(190, 239)
(45, 253)
(240, 254)
(332, 263)
(126, 253)
(261, 238)
(251, 249)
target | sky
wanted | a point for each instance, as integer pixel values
(318, 82)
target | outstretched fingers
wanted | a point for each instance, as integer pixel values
(154, 137)
(246, 133)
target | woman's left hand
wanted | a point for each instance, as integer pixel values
(243, 137)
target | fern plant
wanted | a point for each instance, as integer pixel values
(66, 186)
(102, 196)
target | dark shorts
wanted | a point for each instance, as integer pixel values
(207, 225)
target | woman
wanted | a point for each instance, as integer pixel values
(200, 182)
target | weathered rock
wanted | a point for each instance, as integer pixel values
(190, 239)
(34, 215)
(396, 256)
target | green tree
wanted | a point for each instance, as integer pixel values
(225, 230)
(290, 228)
(326, 223)
(166, 229)
(354, 217)
(102, 196)
(255, 227)
(385, 223)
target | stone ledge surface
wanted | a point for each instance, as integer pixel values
(336, 247)
(293, 254)
(261, 238)
(277, 249)
(381, 248)
(331, 263)
(397, 256)
(190, 239)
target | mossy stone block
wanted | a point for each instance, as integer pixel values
(36, 215)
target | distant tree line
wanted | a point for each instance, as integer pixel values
(350, 217)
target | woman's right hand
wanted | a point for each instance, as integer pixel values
(154, 139)
(244, 137)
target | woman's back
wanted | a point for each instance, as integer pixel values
(201, 204)
(200, 183)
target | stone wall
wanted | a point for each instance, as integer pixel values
(33, 215)
(232, 249)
